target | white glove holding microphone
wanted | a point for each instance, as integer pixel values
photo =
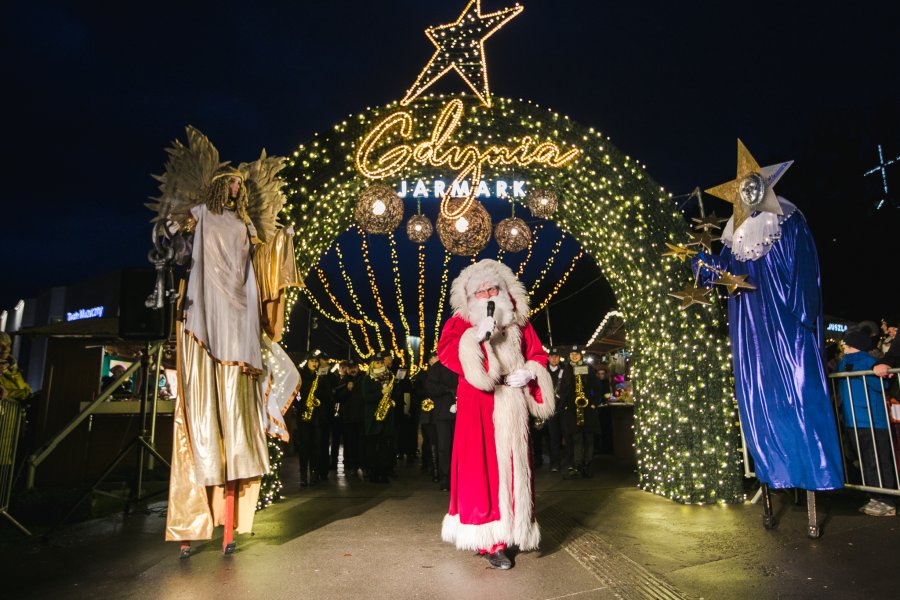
(486, 328)
(519, 378)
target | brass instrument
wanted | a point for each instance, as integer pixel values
(386, 403)
(581, 402)
(311, 401)
(427, 405)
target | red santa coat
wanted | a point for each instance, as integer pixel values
(491, 488)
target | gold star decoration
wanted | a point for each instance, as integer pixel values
(704, 238)
(691, 295)
(679, 252)
(731, 191)
(711, 221)
(733, 282)
(460, 47)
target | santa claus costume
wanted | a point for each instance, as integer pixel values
(502, 379)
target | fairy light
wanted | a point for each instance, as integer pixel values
(354, 299)
(421, 298)
(377, 296)
(540, 278)
(602, 326)
(524, 263)
(556, 287)
(440, 309)
(686, 441)
(398, 287)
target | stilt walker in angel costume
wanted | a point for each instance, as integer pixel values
(491, 346)
(235, 381)
(776, 336)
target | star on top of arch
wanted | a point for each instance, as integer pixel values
(460, 47)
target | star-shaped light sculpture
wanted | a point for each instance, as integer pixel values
(711, 221)
(704, 238)
(691, 295)
(733, 282)
(747, 167)
(460, 48)
(679, 252)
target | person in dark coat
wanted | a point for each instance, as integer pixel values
(550, 431)
(579, 416)
(603, 442)
(379, 406)
(315, 392)
(349, 406)
(425, 409)
(441, 386)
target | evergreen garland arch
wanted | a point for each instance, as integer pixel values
(688, 444)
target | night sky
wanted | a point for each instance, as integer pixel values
(95, 91)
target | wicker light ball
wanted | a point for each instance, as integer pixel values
(419, 229)
(467, 234)
(542, 202)
(378, 209)
(512, 234)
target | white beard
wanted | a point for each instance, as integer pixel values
(504, 313)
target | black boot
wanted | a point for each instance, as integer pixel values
(499, 560)
(435, 477)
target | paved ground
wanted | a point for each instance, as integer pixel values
(603, 538)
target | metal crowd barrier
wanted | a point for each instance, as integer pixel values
(10, 425)
(869, 450)
(869, 453)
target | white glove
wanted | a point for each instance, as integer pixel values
(453, 408)
(485, 327)
(519, 378)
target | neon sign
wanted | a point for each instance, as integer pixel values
(500, 188)
(836, 327)
(375, 162)
(85, 313)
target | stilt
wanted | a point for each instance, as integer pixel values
(769, 521)
(228, 535)
(813, 530)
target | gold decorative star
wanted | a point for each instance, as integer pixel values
(691, 295)
(733, 282)
(460, 47)
(704, 238)
(711, 221)
(679, 252)
(731, 191)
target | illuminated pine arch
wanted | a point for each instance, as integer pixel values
(687, 443)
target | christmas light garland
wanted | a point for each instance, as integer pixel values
(687, 444)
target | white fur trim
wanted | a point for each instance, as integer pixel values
(482, 537)
(485, 270)
(546, 409)
(471, 357)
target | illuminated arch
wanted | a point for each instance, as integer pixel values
(686, 437)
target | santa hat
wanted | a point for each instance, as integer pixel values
(493, 271)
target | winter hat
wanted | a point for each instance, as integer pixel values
(859, 339)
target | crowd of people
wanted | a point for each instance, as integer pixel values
(871, 432)
(365, 418)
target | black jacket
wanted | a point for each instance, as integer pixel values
(569, 412)
(441, 387)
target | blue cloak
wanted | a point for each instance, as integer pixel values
(779, 367)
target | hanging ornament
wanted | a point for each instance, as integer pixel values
(378, 209)
(512, 234)
(542, 202)
(467, 234)
(419, 229)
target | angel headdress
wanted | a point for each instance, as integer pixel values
(190, 177)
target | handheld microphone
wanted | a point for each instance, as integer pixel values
(490, 313)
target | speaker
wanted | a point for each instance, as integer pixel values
(136, 321)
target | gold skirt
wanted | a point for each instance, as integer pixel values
(219, 436)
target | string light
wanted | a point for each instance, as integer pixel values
(687, 445)
(377, 296)
(421, 297)
(398, 287)
(602, 326)
(355, 300)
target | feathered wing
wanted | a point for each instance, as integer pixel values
(265, 196)
(189, 171)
